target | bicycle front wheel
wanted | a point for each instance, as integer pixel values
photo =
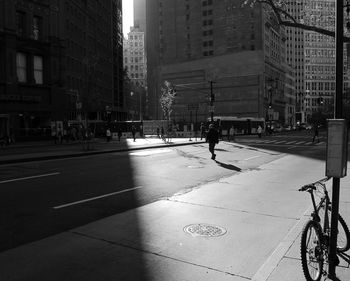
(311, 251)
(343, 236)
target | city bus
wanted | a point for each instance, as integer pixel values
(242, 125)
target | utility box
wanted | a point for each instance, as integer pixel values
(337, 148)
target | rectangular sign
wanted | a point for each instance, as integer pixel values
(337, 148)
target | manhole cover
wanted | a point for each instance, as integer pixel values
(205, 230)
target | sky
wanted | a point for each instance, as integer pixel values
(128, 16)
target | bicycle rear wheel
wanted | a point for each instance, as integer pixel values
(311, 251)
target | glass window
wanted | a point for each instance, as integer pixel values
(37, 29)
(38, 69)
(20, 22)
(21, 64)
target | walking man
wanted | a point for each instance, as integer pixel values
(119, 134)
(133, 131)
(231, 134)
(202, 128)
(315, 133)
(259, 131)
(108, 135)
(213, 139)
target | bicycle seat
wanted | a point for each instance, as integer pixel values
(307, 187)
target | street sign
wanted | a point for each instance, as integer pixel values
(211, 108)
(337, 144)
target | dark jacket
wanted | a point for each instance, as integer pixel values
(213, 136)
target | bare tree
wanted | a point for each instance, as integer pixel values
(166, 100)
(307, 21)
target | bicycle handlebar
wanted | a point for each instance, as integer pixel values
(313, 185)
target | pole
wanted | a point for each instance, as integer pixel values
(195, 128)
(211, 101)
(140, 106)
(333, 259)
(190, 125)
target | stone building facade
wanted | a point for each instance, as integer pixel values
(31, 74)
(58, 63)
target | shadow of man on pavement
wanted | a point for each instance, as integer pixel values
(228, 166)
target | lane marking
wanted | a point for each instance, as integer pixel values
(31, 177)
(292, 147)
(250, 158)
(95, 198)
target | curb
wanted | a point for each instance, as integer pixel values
(88, 153)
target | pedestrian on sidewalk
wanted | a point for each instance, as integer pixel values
(213, 139)
(108, 135)
(259, 131)
(133, 131)
(119, 134)
(158, 136)
(202, 128)
(231, 134)
(315, 133)
(162, 133)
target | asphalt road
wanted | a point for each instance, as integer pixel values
(43, 198)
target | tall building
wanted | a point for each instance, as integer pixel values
(92, 31)
(119, 104)
(134, 57)
(59, 61)
(295, 56)
(320, 60)
(240, 49)
(140, 14)
(135, 64)
(31, 73)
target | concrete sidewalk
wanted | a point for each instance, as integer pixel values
(243, 227)
(46, 150)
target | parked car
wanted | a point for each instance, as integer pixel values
(286, 128)
(302, 126)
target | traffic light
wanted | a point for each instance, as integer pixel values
(320, 101)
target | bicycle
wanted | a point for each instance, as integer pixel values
(315, 235)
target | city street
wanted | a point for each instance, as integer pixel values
(130, 214)
(42, 198)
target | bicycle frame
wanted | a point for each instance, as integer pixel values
(325, 203)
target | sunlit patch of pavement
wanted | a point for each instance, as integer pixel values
(150, 152)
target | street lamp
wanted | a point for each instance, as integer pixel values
(272, 85)
(140, 104)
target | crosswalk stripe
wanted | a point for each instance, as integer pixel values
(300, 142)
(290, 142)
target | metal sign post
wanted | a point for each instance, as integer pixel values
(339, 62)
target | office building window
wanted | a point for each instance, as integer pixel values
(38, 69)
(37, 28)
(21, 64)
(20, 22)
